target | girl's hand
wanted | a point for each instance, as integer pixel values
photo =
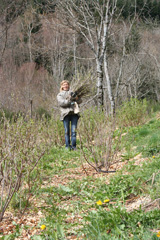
(76, 98)
(73, 98)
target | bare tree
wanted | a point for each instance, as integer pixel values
(93, 20)
(10, 10)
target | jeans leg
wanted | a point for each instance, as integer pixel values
(74, 121)
(66, 124)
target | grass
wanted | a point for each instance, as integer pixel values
(68, 196)
(76, 201)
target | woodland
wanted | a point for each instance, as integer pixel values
(113, 45)
(109, 188)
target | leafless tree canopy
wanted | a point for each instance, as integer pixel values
(44, 42)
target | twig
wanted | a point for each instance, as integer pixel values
(123, 201)
(107, 171)
(151, 203)
(84, 168)
(85, 155)
(89, 100)
(151, 178)
(97, 169)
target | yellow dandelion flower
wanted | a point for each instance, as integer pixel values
(106, 201)
(99, 202)
(158, 234)
(43, 227)
(153, 156)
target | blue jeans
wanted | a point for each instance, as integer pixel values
(73, 119)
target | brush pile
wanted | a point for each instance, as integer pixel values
(82, 91)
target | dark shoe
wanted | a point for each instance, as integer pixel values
(74, 148)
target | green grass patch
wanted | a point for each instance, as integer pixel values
(143, 139)
(79, 197)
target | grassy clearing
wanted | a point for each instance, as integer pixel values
(73, 202)
(72, 212)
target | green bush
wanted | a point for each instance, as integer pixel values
(8, 115)
(153, 106)
(55, 131)
(41, 112)
(91, 123)
(153, 145)
(132, 112)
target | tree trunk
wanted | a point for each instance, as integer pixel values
(110, 95)
(99, 84)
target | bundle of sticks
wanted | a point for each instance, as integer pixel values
(82, 91)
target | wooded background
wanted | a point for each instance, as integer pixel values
(112, 44)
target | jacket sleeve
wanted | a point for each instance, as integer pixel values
(63, 102)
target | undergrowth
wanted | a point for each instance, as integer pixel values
(74, 205)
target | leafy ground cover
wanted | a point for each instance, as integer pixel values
(72, 201)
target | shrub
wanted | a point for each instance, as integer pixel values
(22, 144)
(8, 114)
(41, 112)
(97, 135)
(132, 112)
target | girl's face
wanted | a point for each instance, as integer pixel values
(65, 86)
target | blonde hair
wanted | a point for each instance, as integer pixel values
(64, 81)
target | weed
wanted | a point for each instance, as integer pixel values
(119, 224)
